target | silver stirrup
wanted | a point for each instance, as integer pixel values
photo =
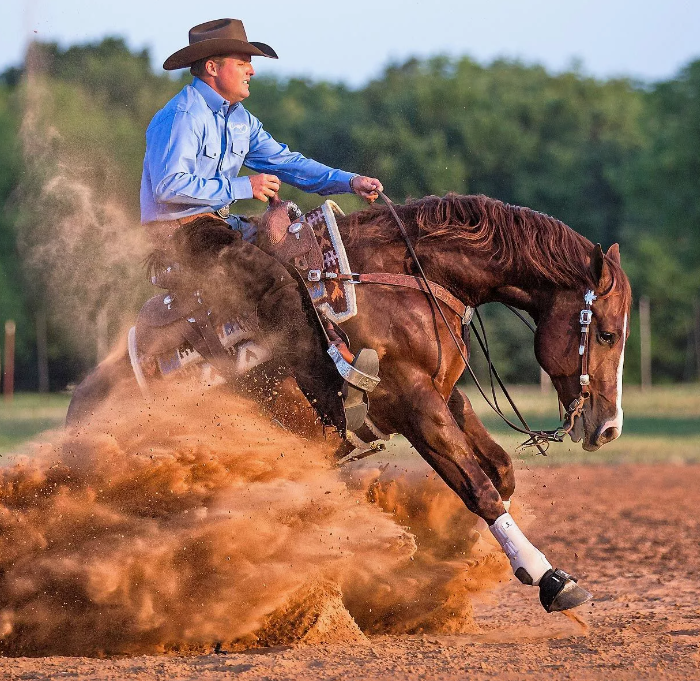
(359, 379)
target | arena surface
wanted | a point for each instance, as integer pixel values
(630, 533)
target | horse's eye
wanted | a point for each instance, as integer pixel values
(606, 338)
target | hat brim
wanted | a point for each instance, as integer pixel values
(213, 48)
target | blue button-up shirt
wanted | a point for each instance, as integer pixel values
(195, 147)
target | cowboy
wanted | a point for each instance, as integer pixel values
(195, 148)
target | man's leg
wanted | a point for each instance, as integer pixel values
(243, 278)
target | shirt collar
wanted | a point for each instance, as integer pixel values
(212, 98)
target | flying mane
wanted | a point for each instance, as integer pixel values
(516, 238)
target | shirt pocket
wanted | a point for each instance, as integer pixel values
(211, 151)
(240, 139)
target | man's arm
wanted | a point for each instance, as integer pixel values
(269, 157)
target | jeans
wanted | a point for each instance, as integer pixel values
(241, 223)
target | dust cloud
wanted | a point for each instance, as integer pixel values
(78, 228)
(193, 521)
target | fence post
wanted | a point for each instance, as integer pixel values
(8, 379)
(645, 341)
(545, 382)
(696, 334)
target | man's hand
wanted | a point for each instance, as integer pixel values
(366, 187)
(264, 186)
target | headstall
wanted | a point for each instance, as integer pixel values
(576, 407)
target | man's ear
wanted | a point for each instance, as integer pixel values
(211, 67)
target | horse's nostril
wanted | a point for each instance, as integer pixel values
(608, 435)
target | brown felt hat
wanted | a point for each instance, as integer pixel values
(218, 37)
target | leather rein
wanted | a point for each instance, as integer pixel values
(435, 292)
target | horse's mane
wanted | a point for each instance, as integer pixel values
(518, 239)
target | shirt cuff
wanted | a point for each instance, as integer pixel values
(241, 188)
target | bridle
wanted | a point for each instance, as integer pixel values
(576, 407)
(537, 438)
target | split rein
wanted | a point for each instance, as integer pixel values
(537, 438)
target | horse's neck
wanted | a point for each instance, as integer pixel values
(471, 278)
(475, 280)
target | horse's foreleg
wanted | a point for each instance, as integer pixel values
(436, 436)
(434, 432)
(493, 459)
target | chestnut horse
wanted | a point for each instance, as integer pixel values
(482, 250)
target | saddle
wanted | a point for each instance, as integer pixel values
(286, 236)
(176, 335)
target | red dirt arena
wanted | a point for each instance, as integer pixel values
(629, 532)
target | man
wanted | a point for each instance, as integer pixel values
(195, 148)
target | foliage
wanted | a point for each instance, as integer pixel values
(618, 160)
(14, 303)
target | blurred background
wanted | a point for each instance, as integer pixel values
(588, 112)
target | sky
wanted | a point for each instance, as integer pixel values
(350, 41)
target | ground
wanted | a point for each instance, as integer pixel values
(629, 532)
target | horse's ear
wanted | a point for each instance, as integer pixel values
(614, 253)
(597, 263)
(600, 270)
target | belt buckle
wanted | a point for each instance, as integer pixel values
(224, 212)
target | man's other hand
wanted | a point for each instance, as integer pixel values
(264, 186)
(367, 187)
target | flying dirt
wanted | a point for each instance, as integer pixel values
(193, 521)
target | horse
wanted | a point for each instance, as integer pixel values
(480, 250)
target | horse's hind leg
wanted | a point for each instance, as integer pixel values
(493, 459)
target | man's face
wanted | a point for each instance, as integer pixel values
(230, 77)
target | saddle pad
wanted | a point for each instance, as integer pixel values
(335, 299)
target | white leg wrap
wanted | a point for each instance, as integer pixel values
(523, 556)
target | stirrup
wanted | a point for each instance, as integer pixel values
(365, 363)
(355, 373)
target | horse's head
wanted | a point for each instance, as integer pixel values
(557, 348)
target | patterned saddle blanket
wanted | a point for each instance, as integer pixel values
(313, 245)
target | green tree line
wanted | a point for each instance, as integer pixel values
(618, 160)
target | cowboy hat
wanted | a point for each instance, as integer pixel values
(221, 36)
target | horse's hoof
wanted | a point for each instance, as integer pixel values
(559, 591)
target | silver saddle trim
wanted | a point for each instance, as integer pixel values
(352, 375)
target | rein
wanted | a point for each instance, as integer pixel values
(537, 438)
